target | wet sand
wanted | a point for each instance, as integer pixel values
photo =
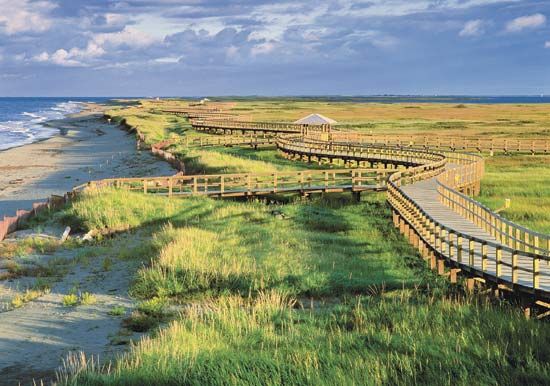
(87, 148)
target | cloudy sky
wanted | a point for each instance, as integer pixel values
(245, 47)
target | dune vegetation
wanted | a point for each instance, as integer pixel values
(287, 290)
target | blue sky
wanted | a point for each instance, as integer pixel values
(245, 47)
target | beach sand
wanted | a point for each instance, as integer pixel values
(87, 148)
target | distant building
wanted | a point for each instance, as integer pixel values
(315, 119)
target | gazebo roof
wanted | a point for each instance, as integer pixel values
(315, 119)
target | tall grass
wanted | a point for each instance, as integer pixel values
(324, 247)
(400, 340)
(523, 180)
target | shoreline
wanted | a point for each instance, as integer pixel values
(86, 148)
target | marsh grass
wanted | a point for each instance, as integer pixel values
(326, 246)
(406, 339)
(524, 180)
(70, 300)
(28, 246)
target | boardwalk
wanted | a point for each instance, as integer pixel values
(429, 185)
(425, 194)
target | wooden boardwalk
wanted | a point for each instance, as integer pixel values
(488, 264)
(429, 182)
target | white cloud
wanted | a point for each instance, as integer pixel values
(547, 44)
(376, 8)
(75, 57)
(168, 60)
(472, 28)
(24, 15)
(262, 49)
(526, 22)
(97, 47)
(129, 36)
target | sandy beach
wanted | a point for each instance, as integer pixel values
(87, 148)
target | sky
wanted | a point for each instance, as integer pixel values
(247, 47)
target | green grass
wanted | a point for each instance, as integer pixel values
(524, 180)
(400, 340)
(154, 125)
(328, 246)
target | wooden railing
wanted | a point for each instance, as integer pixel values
(253, 141)
(274, 127)
(506, 145)
(409, 157)
(492, 261)
(510, 260)
(192, 110)
(249, 184)
(505, 231)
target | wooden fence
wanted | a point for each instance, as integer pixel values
(464, 144)
(252, 184)
(268, 127)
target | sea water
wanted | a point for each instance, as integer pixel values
(21, 119)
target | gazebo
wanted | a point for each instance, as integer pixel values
(315, 119)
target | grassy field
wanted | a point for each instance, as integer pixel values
(504, 120)
(525, 181)
(319, 291)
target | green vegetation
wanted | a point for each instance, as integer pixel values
(388, 339)
(87, 299)
(28, 246)
(319, 291)
(70, 300)
(524, 180)
(117, 311)
(39, 288)
(73, 299)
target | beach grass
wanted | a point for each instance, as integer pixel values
(399, 339)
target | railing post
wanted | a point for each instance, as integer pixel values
(484, 257)
(536, 273)
(459, 248)
(514, 267)
(498, 257)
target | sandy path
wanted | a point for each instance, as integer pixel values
(88, 148)
(35, 338)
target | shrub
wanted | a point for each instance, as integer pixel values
(70, 300)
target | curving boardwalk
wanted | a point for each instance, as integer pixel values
(429, 185)
(425, 195)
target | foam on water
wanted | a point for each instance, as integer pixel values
(27, 126)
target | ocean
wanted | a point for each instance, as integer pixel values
(21, 119)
